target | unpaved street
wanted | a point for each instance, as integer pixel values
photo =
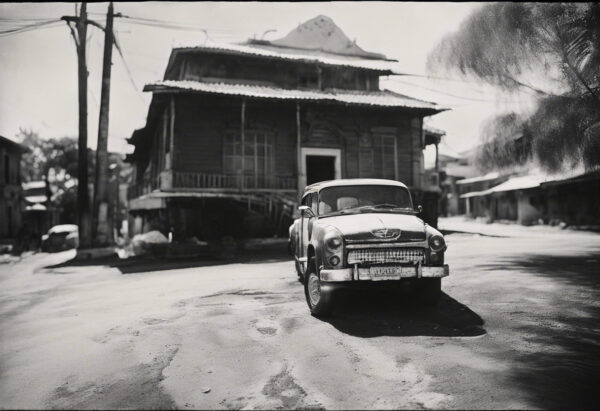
(517, 328)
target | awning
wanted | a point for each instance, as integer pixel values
(383, 98)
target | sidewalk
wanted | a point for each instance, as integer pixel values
(467, 225)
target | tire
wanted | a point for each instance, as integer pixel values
(429, 291)
(299, 271)
(320, 302)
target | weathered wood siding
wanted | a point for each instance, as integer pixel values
(202, 121)
(256, 70)
(367, 137)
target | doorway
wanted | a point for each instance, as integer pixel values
(319, 168)
(320, 164)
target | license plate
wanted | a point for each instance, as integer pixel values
(385, 272)
(391, 272)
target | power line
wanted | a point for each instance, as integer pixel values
(127, 68)
(449, 94)
(29, 27)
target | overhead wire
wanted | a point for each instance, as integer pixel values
(29, 27)
(450, 94)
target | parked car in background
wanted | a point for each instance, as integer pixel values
(60, 237)
(355, 232)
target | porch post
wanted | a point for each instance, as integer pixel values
(172, 132)
(436, 158)
(298, 151)
(243, 134)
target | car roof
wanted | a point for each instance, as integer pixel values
(316, 187)
(63, 228)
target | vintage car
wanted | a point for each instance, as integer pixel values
(355, 232)
(60, 237)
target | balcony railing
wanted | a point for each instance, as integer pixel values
(228, 181)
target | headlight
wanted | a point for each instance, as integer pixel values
(437, 243)
(333, 243)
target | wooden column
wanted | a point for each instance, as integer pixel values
(436, 158)
(172, 132)
(298, 150)
(396, 172)
(243, 136)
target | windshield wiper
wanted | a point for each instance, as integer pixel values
(386, 205)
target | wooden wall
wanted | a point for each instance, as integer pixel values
(255, 70)
(201, 121)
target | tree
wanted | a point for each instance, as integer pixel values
(55, 160)
(549, 49)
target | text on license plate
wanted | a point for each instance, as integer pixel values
(390, 271)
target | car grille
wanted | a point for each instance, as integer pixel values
(386, 255)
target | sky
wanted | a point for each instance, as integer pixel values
(38, 68)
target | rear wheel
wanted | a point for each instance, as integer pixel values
(429, 290)
(319, 300)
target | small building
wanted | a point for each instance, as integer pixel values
(235, 132)
(39, 213)
(470, 189)
(572, 198)
(10, 189)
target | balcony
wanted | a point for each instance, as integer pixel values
(176, 180)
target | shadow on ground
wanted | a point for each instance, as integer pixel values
(150, 263)
(564, 374)
(369, 313)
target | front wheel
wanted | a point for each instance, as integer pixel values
(320, 301)
(299, 271)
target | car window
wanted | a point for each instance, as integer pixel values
(306, 200)
(338, 198)
(314, 203)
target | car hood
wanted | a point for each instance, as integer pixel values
(367, 226)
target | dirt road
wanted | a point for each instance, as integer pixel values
(517, 328)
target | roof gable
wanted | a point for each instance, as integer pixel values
(321, 33)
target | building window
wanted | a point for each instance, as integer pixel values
(388, 164)
(257, 153)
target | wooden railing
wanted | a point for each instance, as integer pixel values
(223, 181)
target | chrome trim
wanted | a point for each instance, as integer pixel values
(381, 240)
(364, 274)
(335, 275)
(420, 244)
(396, 255)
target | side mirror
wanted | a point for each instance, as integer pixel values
(419, 208)
(306, 210)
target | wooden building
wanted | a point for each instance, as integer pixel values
(10, 189)
(235, 132)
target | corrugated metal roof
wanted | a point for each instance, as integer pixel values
(302, 55)
(525, 182)
(384, 98)
(488, 176)
(474, 194)
(518, 183)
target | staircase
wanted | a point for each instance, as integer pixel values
(276, 206)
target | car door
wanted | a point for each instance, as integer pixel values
(303, 243)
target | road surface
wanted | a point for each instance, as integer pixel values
(517, 328)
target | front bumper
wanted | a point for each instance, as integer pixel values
(400, 272)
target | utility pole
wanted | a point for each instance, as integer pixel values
(102, 227)
(83, 202)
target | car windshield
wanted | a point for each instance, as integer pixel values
(364, 197)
